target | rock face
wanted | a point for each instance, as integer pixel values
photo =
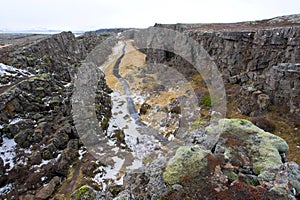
(283, 85)
(54, 54)
(262, 55)
(35, 114)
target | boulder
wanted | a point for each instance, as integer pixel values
(19, 125)
(60, 140)
(187, 160)
(244, 144)
(245, 160)
(48, 190)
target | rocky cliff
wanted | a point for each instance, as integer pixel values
(261, 55)
(39, 142)
(43, 157)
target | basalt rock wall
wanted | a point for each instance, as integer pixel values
(38, 139)
(54, 54)
(264, 59)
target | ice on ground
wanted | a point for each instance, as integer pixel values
(7, 152)
(110, 173)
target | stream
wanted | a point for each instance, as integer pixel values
(140, 140)
(129, 100)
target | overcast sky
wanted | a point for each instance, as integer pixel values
(95, 14)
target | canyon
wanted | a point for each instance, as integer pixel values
(175, 111)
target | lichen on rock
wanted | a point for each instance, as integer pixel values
(244, 156)
(240, 136)
(187, 160)
(85, 192)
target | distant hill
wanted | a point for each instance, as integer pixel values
(110, 30)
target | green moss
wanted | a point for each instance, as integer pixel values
(42, 77)
(4, 129)
(121, 103)
(263, 148)
(97, 107)
(31, 58)
(197, 124)
(231, 175)
(45, 58)
(267, 176)
(40, 88)
(187, 160)
(83, 191)
(104, 123)
(250, 179)
(147, 160)
(10, 63)
(37, 67)
(206, 101)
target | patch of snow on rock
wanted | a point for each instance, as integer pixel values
(6, 189)
(14, 121)
(110, 173)
(7, 152)
(6, 70)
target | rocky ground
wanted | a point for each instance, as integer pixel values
(45, 155)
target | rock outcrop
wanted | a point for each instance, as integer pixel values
(43, 157)
(254, 54)
(54, 54)
(35, 114)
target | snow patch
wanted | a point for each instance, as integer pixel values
(67, 85)
(6, 189)
(14, 121)
(110, 173)
(6, 70)
(7, 152)
(116, 50)
(81, 153)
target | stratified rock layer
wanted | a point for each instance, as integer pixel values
(35, 115)
(264, 55)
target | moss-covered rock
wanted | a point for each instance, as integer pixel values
(187, 160)
(246, 144)
(84, 192)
